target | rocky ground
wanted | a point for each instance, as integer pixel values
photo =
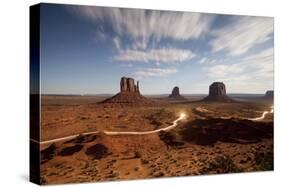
(205, 143)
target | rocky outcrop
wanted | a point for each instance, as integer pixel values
(269, 94)
(217, 89)
(129, 94)
(176, 93)
(128, 85)
(217, 92)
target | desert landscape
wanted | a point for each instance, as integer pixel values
(127, 93)
(130, 136)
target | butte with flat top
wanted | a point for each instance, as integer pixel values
(129, 94)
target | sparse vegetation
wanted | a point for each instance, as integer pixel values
(221, 164)
(84, 118)
(264, 161)
(156, 117)
(144, 161)
(137, 154)
(197, 146)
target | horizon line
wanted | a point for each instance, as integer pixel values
(85, 94)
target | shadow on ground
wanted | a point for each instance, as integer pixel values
(210, 131)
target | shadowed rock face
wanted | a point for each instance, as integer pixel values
(176, 93)
(217, 92)
(269, 94)
(217, 89)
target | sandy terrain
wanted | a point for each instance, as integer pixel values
(215, 138)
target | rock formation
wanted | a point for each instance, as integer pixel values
(128, 85)
(217, 92)
(129, 94)
(269, 95)
(217, 89)
(176, 93)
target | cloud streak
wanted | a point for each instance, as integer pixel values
(164, 55)
(147, 24)
(243, 34)
(253, 72)
(207, 61)
(154, 72)
(166, 37)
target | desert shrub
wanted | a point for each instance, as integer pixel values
(137, 154)
(221, 164)
(84, 118)
(144, 161)
(264, 161)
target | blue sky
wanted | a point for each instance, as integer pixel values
(87, 49)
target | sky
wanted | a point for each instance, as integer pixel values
(87, 49)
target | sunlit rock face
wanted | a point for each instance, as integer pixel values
(176, 93)
(128, 85)
(217, 92)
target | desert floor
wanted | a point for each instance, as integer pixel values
(214, 138)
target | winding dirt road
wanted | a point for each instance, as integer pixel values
(204, 110)
(263, 115)
(175, 123)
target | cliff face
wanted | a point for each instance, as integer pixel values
(128, 85)
(176, 93)
(217, 89)
(217, 92)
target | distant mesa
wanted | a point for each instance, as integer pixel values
(269, 94)
(176, 93)
(217, 92)
(129, 94)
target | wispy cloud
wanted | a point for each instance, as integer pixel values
(207, 61)
(166, 37)
(223, 70)
(262, 62)
(260, 65)
(252, 73)
(154, 72)
(140, 23)
(243, 34)
(164, 55)
(146, 27)
(117, 43)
